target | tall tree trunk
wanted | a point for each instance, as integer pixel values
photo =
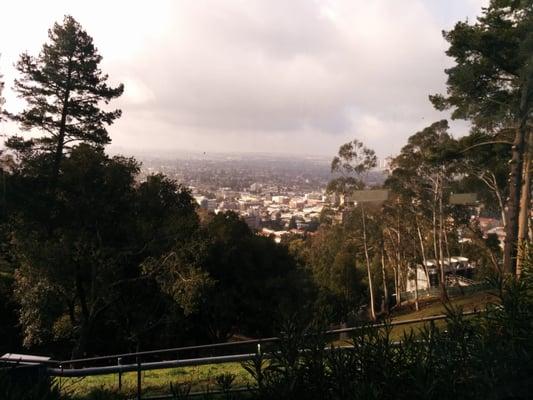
(367, 258)
(399, 255)
(515, 178)
(422, 251)
(513, 204)
(415, 263)
(384, 277)
(85, 315)
(396, 287)
(434, 221)
(416, 287)
(395, 267)
(446, 244)
(58, 155)
(441, 253)
(395, 272)
(82, 340)
(525, 207)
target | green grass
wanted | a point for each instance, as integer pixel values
(433, 306)
(202, 377)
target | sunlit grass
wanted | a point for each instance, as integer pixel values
(433, 306)
(202, 378)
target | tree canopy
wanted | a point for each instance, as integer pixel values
(64, 87)
(351, 163)
(491, 84)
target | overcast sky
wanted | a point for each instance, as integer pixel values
(279, 76)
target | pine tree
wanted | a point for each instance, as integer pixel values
(64, 87)
(491, 85)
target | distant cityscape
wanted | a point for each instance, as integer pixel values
(275, 195)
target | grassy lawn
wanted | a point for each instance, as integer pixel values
(202, 378)
(433, 306)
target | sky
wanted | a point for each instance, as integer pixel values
(270, 76)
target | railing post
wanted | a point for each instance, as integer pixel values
(61, 376)
(138, 379)
(119, 362)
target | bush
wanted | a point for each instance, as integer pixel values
(488, 356)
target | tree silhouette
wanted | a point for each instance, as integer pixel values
(63, 87)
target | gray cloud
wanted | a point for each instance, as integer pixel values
(297, 76)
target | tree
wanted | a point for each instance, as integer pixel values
(228, 280)
(353, 161)
(63, 87)
(331, 261)
(256, 280)
(64, 276)
(421, 175)
(486, 165)
(70, 278)
(491, 85)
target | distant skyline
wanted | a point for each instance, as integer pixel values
(294, 77)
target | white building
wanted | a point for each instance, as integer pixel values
(457, 269)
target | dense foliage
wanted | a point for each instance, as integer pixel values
(491, 85)
(482, 357)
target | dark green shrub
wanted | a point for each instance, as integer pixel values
(487, 356)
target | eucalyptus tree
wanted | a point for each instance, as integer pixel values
(410, 203)
(352, 163)
(398, 221)
(491, 84)
(421, 175)
(64, 89)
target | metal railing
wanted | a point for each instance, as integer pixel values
(62, 368)
(114, 364)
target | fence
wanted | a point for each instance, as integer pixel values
(183, 356)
